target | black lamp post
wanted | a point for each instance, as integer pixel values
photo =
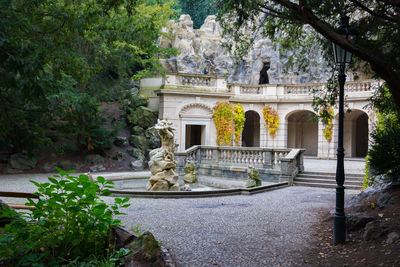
(342, 57)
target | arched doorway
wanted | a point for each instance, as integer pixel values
(251, 130)
(355, 134)
(303, 132)
(194, 122)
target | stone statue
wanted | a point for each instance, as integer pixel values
(162, 164)
(253, 179)
(190, 173)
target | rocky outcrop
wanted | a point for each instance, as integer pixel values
(201, 52)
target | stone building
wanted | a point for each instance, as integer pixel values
(203, 74)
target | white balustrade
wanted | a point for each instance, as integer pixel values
(301, 89)
(250, 90)
(218, 84)
(234, 156)
(358, 86)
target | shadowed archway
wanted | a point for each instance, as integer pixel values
(355, 134)
(251, 130)
(303, 132)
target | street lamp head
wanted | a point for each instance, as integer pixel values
(343, 57)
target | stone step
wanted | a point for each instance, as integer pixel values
(325, 185)
(327, 181)
(329, 174)
(329, 177)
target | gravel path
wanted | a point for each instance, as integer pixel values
(266, 229)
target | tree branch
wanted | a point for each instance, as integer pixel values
(375, 14)
(376, 60)
(394, 3)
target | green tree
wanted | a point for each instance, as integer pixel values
(199, 10)
(56, 56)
(384, 154)
(305, 24)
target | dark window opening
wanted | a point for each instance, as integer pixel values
(193, 135)
(264, 73)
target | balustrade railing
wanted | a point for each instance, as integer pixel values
(218, 84)
(194, 80)
(301, 89)
(307, 89)
(285, 160)
(233, 156)
(251, 90)
(358, 86)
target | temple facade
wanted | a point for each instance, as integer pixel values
(187, 100)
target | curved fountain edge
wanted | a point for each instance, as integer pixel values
(195, 194)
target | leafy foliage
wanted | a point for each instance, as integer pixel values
(238, 118)
(271, 119)
(223, 119)
(60, 58)
(384, 154)
(307, 26)
(327, 116)
(70, 223)
(198, 10)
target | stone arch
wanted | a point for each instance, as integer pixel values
(196, 109)
(302, 131)
(195, 122)
(355, 133)
(251, 130)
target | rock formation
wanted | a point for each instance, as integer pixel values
(201, 52)
(162, 164)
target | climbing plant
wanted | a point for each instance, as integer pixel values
(271, 119)
(326, 115)
(239, 119)
(223, 119)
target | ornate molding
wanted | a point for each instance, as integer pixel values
(196, 109)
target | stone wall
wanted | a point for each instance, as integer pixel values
(201, 52)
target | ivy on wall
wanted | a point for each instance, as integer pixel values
(223, 119)
(239, 119)
(326, 115)
(271, 119)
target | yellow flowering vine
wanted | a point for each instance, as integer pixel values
(223, 119)
(326, 115)
(271, 119)
(239, 119)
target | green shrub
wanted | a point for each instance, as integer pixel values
(70, 223)
(384, 154)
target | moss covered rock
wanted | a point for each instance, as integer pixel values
(138, 141)
(143, 117)
(22, 162)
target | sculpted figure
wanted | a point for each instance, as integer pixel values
(162, 164)
(253, 179)
(190, 173)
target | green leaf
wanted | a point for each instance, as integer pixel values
(54, 181)
(101, 179)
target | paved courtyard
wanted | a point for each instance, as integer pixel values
(352, 165)
(266, 229)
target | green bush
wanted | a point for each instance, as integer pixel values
(384, 154)
(71, 223)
